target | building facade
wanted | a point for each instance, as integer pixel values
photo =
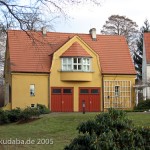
(68, 71)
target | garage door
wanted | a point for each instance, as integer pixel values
(62, 99)
(91, 98)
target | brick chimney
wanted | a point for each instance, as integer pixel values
(44, 31)
(93, 34)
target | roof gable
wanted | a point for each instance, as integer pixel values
(75, 50)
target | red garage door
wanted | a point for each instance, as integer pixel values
(62, 99)
(91, 98)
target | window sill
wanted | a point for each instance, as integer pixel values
(75, 71)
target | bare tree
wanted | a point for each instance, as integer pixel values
(121, 25)
(32, 15)
(35, 13)
(2, 48)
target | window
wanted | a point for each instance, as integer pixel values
(84, 91)
(86, 64)
(117, 90)
(76, 64)
(32, 105)
(32, 90)
(94, 91)
(56, 91)
(67, 91)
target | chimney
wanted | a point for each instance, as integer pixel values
(44, 31)
(93, 34)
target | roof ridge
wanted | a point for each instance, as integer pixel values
(67, 33)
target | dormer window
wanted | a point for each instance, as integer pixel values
(76, 64)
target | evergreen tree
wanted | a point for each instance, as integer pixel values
(138, 54)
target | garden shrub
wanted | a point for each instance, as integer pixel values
(112, 130)
(4, 117)
(29, 113)
(14, 115)
(143, 105)
(43, 109)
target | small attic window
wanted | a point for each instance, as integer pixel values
(76, 64)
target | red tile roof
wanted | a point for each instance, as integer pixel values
(147, 46)
(33, 55)
(75, 50)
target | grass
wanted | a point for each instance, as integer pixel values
(57, 127)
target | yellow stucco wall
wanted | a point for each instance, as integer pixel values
(75, 79)
(124, 78)
(21, 89)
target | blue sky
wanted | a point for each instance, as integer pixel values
(87, 16)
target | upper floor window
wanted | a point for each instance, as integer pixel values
(76, 64)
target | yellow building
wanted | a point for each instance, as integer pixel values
(68, 71)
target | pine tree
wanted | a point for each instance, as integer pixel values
(138, 54)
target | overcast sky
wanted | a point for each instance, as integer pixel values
(88, 16)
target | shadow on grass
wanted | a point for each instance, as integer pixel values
(27, 121)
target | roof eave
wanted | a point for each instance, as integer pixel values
(30, 72)
(118, 73)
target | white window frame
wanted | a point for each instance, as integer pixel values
(76, 64)
(32, 89)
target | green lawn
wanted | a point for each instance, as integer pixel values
(58, 127)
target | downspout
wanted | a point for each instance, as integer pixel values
(49, 91)
(103, 92)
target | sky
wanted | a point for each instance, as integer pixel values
(87, 16)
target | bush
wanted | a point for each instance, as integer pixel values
(14, 115)
(9, 116)
(4, 117)
(43, 109)
(17, 114)
(112, 130)
(143, 105)
(29, 113)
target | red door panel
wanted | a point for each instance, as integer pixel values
(94, 103)
(67, 100)
(67, 103)
(56, 103)
(85, 98)
(94, 100)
